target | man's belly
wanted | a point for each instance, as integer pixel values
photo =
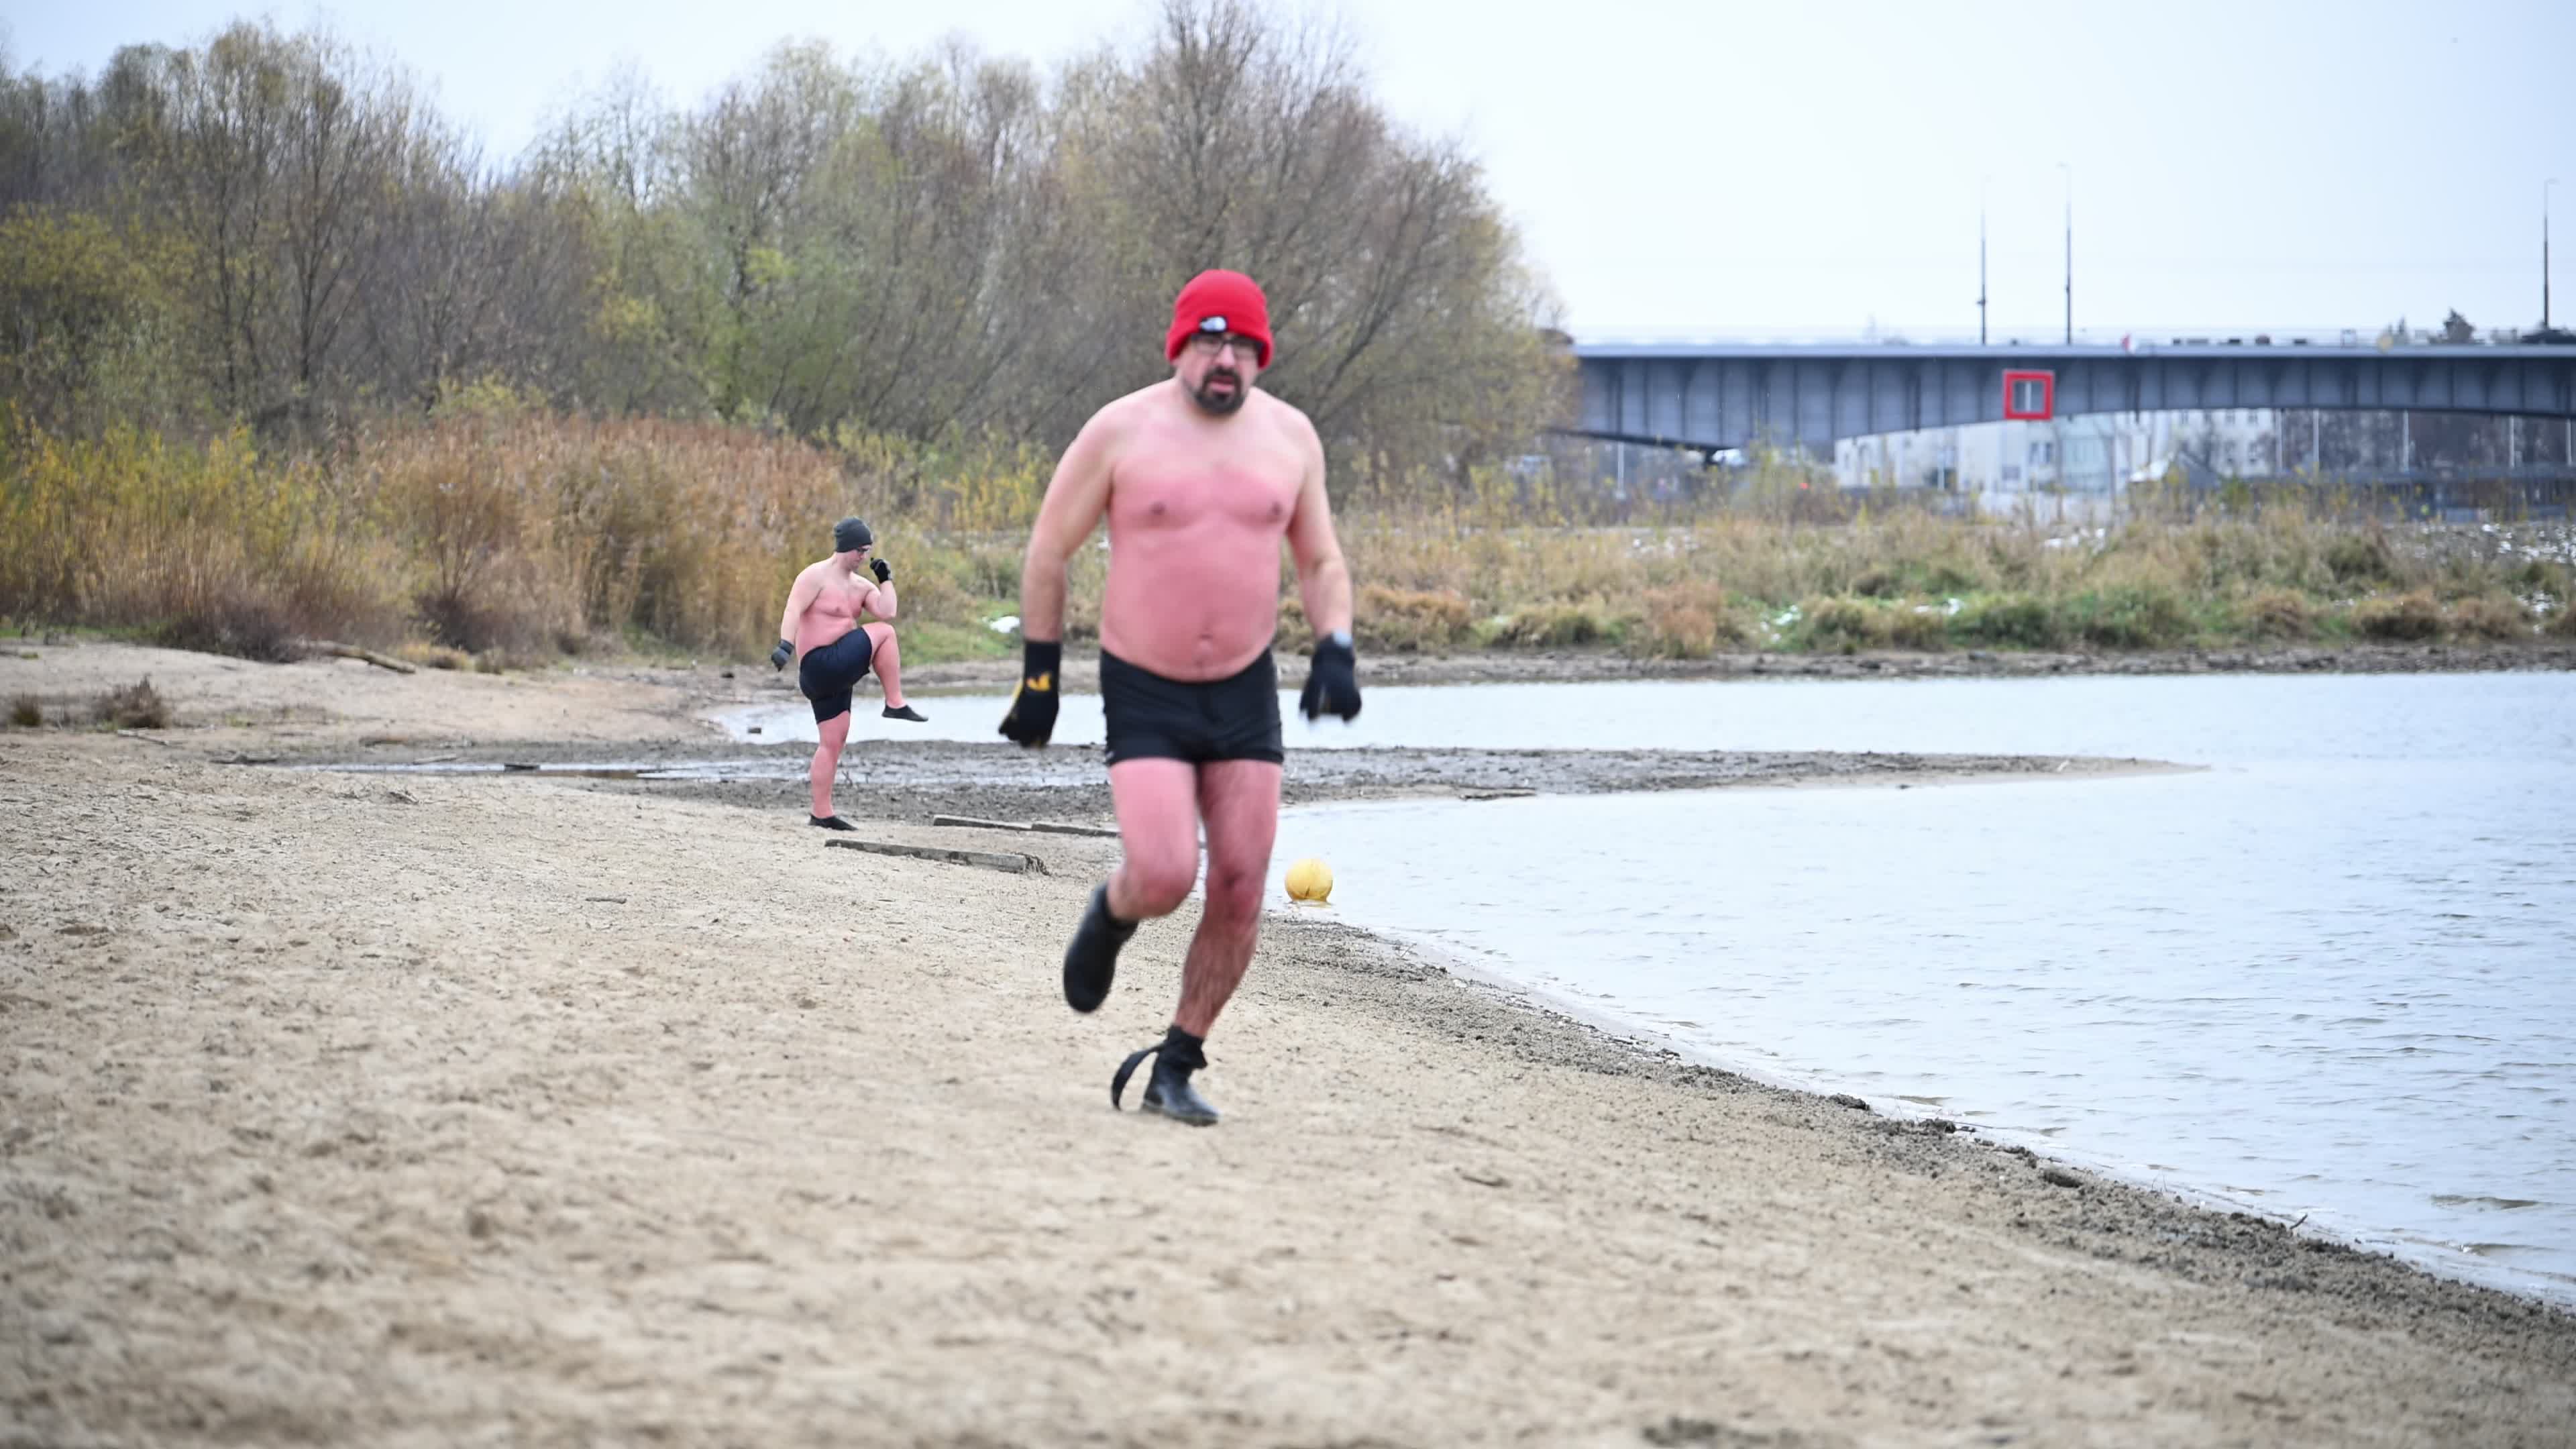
(817, 629)
(1188, 614)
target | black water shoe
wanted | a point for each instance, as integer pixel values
(1091, 958)
(1168, 1090)
(905, 711)
(829, 822)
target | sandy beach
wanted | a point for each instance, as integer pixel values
(430, 1109)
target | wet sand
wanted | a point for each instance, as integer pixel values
(390, 1110)
(891, 781)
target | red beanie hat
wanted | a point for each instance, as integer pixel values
(1219, 302)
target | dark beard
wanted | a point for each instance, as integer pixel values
(1219, 406)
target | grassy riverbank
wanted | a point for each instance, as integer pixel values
(504, 538)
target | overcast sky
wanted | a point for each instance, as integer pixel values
(1779, 167)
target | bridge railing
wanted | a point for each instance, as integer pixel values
(2139, 337)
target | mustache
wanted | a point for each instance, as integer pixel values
(1224, 374)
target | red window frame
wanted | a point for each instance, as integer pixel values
(2047, 395)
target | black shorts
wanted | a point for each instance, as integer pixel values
(1153, 718)
(826, 674)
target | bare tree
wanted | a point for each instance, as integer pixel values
(274, 159)
(479, 278)
(948, 246)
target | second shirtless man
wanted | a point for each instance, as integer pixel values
(834, 651)
(1200, 476)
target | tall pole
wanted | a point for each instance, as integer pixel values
(2070, 251)
(2544, 251)
(1981, 258)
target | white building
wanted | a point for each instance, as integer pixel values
(2095, 454)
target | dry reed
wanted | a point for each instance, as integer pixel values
(497, 535)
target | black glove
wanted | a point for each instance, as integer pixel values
(878, 567)
(779, 656)
(1031, 717)
(1332, 686)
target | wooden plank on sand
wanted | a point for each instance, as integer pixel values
(988, 859)
(352, 651)
(1049, 827)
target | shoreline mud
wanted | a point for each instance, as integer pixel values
(367, 1108)
(896, 781)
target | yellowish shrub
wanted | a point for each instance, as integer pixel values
(2411, 616)
(2488, 616)
(2280, 614)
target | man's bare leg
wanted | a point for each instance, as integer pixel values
(885, 656)
(1158, 833)
(1240, 800)
(833, 733)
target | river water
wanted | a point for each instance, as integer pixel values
(2331, 974)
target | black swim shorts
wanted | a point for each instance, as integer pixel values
(1153, 718)
(826, 674)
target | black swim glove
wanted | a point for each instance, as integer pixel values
(878, 567)
(1332, 680)
(779, 656)
(1031, 717)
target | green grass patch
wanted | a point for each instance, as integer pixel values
(933, 641)
(2130, 616)
(2008, 621)
(1843, 625)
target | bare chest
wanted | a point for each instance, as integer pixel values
(1238, 491)
(841, 596)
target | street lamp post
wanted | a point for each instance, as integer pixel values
(1981, 258)
(2070, 251)
(2544, 251)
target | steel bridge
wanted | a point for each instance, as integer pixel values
(1710, 397)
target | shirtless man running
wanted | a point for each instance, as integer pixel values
(1200, 476)
(821, 629)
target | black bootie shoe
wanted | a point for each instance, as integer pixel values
(1168, 1090)
(1091, 958)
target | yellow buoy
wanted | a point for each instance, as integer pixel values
(1310, 880)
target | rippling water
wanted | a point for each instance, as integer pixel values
(2329, 975)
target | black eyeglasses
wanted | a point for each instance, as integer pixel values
(1208, 344)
